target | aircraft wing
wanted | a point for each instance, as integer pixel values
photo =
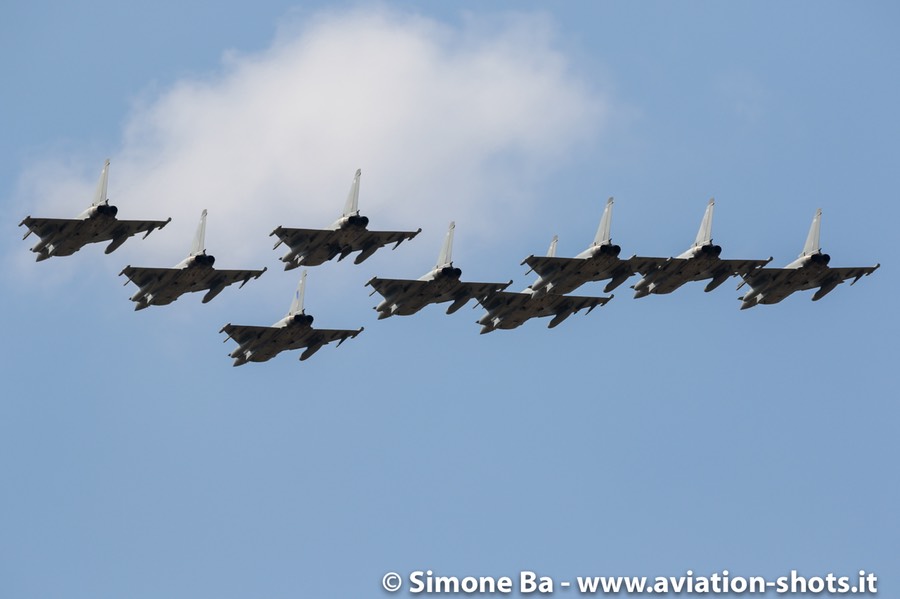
(778, 277)
(168, 284)
(224, 278)
(304, 240)
(399, 289)
(127, 228)
(553, 266)
(506, 302)
(249, 336)
(581, 270)
(366, 239)
(64, 227)
(266, 342)
(832, 277)
(325, 336)
(559, 304)
(681, 267)
(645, 266)
(165, 284)
(464, 291)
(853, 272)
(798, 279)
(316, 246)
(48, 227)
(66, 235)
(145, 277)
(479, 290)
(743, 267)
(187, 279)
(507, 310)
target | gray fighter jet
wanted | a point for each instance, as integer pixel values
(810, 270)
(701, 261)
(65, 236)
(294, 331)
(508, 310)
(348, 234)
(161, 286)
(597, 263)
(441, 284)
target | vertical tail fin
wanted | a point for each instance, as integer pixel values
(352, 205)
(445, 258)
(551, 251)
(297, 304)
(199, 246)
(602, 237)
(812, 239)
(704, 235)
(100, 194)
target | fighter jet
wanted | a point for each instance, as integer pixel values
(161, 286)
(508, 310)
(348, 234)
(441, 284)
(810, 270)
(294, 331)
(65, 236)
(701, 261)
(597, 263)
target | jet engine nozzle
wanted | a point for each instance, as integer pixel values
(107, 210)
(357, 221)
(451, 272)
(303, 318)
(821, 259)
(610, 250)
(712, 250)
(204, 260)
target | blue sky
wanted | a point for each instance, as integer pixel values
(651, 437)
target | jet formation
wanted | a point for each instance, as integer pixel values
(548, 296)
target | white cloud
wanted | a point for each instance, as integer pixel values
(447, 122)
